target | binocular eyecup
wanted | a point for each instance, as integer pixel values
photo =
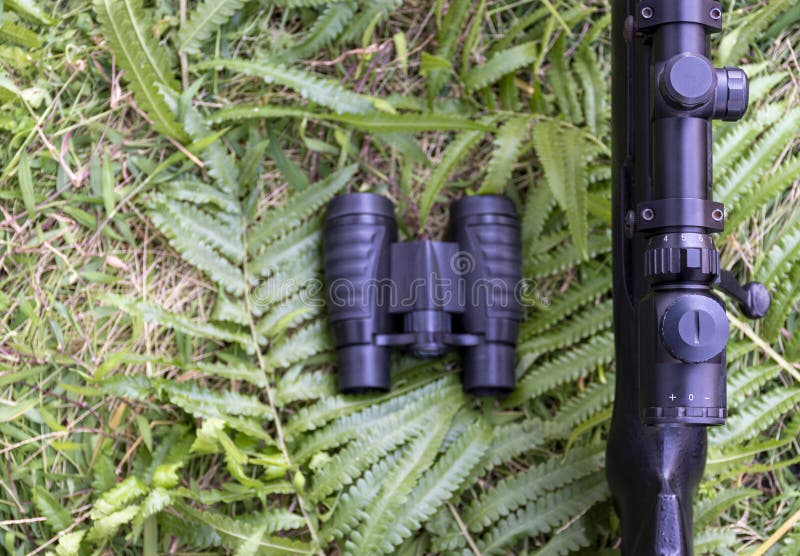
(426, 296)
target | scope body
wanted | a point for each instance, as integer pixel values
(671, 327)
(426, 296)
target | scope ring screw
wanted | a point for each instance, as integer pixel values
(717, 215)
(647, 12)
(648, 214)
(715, 13)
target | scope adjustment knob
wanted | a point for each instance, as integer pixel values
(733, 94)
(688, 80)
(684, 257)
(694, 328)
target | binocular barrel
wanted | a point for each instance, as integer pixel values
(359, 231)
(426, 296)
(487, 229)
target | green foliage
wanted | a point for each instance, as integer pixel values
(169, 370)
(146, 64)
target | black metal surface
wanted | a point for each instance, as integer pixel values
(426, 296)
(670, 327)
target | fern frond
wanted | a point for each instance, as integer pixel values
(460, 147)
(371, 14)
(785, 294)
(709, 508)
(755, 416)
(567, 256)
(511, 441)
(213, 404)
(203, 21)
(326, 28)
(593, 86)
(508, 145)
(304, 343)
(298, 208)
(759, 196)
(597, 284)
(749, 380)
(291, 313)
(714, 541)
(322, 91)
(18, 34)
(563, 82)
(233, 369)
(347, 427)
(545, 514)
(500, 64)
(590, 321)
(447, 34)
(729, 148)
(563, 153)
(145, 63)
(185, 219)
(300, 384)
(781, 257)
(735, 43)
(199, 254)
(759, 159)
(539, 204)
(380, 439)
(155, 314)
(199, 193)
(572, 365)
(566, 542)
(233, 532)
(375, 533)
(439, 483)
(516, 491)
(591, 401)
(288, 248)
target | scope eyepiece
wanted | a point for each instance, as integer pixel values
(426, 296)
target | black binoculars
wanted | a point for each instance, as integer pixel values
(426, 296)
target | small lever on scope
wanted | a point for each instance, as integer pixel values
(753, 298)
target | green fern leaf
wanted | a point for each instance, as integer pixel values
(590, 321)
(781, 257)
(591, 401)
(761, 194)
(446, 37)
(304, 343)
(729, 147)
(563, 153)
(756, 416)
(511, 441)
(598, 283)
(371, 14)
(57, 516)
(563, 83)
(28, 10)
(322, 91)
(288, 248)
(298, 208)
(749, 380)
(210, 404)
(508, 148)
(374, 535)
(709, 508)
(156, 314)
(545, 514)
(516, 491)
(566, 542)
(735, 42)
(373, 415)
(326, 28)
(714, 541)
(300, 384)
(145, 63)
(500, 64)
(199, 254)
(572, 365)
(593, 86)
(566, 257)
(759, 159)
(439, 483)
(203, 21)
(18, 34)
(453, 155)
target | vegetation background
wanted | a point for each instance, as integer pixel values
(167, 388)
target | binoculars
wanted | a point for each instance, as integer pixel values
(426, 296)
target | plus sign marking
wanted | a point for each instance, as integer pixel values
(672, 397)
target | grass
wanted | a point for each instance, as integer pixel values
(96, 460)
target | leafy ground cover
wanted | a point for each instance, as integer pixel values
(166, 380)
